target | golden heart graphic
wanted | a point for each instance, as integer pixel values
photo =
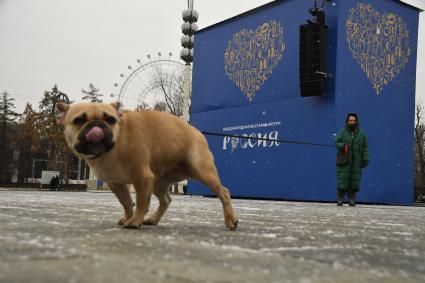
(379, 43)
(251, 56)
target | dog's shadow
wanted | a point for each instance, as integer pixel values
(168, 229)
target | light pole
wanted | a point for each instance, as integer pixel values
(189, 27)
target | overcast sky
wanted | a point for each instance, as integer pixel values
(77, 42)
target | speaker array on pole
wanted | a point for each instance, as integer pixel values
(312, 48)
(189, 27)
(312, 59)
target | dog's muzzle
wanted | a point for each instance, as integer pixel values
(95, 139)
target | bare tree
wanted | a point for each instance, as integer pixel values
(160, 106)
(50, 131)
(170, 85)
(142, 106)
(419, 148)
(92, 95)
(27, 135)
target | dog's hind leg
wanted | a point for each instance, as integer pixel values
(203, 169)
(123, 195)
(163, 195)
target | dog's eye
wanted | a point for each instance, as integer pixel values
(111, 120)
(79, 121)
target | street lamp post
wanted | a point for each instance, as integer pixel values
(189, 27)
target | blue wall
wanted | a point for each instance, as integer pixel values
(388, 115)
(238, 89)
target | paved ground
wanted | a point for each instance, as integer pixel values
(72, 237)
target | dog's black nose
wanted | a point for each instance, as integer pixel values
(96, 123)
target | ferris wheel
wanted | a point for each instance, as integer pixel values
(149, 83)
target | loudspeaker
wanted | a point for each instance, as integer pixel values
(312, 59)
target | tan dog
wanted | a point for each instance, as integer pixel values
(146, 148)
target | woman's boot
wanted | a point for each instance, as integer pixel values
(352, 198)
(340, 199)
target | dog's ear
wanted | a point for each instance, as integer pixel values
(117, 107)
(62, 108)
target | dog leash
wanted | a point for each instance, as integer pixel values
(266, 139)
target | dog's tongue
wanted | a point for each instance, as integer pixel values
(95, 134)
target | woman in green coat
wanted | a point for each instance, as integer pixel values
(352, 157)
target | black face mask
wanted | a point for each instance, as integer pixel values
(353, 127)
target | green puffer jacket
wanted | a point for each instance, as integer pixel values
(350, 174)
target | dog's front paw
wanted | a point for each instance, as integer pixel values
(122, 220)
(132, 223)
